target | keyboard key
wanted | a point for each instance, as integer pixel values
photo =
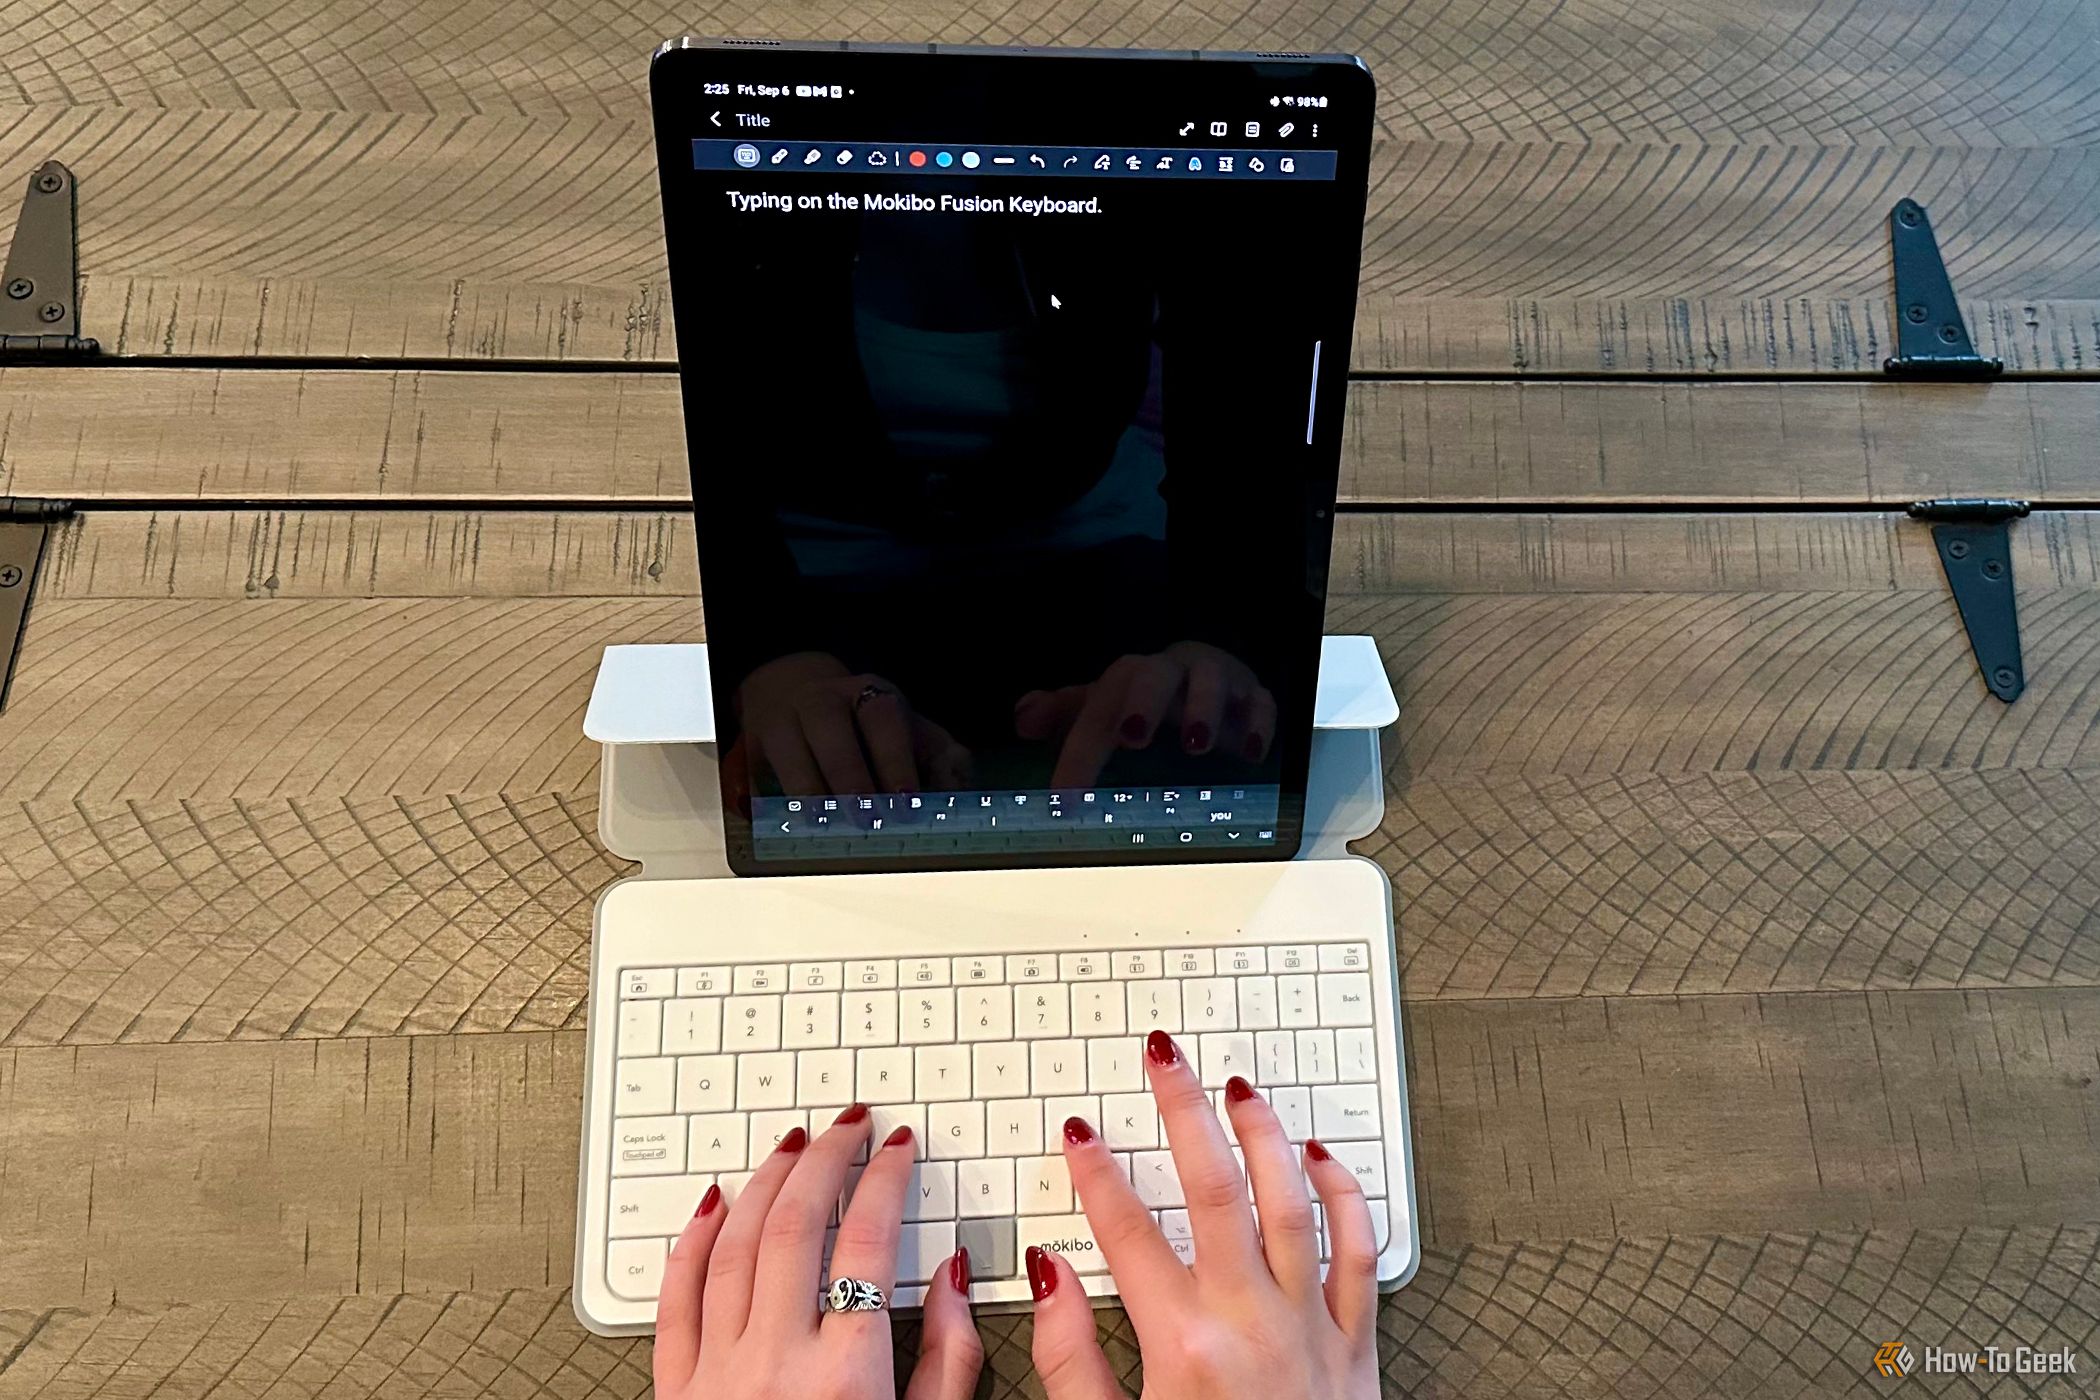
(768, 1128)
(1294, 1110)
(977, 971)
(929, 1017)
(811, 1021)
(1345, 999)
(751, 1023)
(1129, 1122)
(1158, 1184)
(765, 1081)
(985, 1187)
(706, 1083)
(1180, 1235)
(1342, 1112)
(1210, 1004)
(874, 974)
(1381, 1224)
(715, 1141)
(1031, 967)
(648, 982)
(641, 1027)
(985, 1013)
(1242, 960)
(955, 1130)
(650, 1147)
(999, 1069)
(1276, 1058)
(1224, 1054)
(924, 1249)
(1082, 967)
(643, 1087)
(1356, 1056)
(1366, 1160)
(1043, 1184)
(942, 1073)
(931, 1195)
(703, 981)
(732, 1184)
(1057, 1110)
(1297, 1002)
(1043, 1011)
(922, 972)
(1069, 1235)
(993, 1242)
(1345, 957)
(760, 977)
(1133, 963)
(1013, 1128)
(635, 1268)
(883, 1076)
(1154, 1006)
(1097, 1010)
(1316, 1057)
(1293, 957)
(824, 1079)
(1257, 1003)
(1115, 1066)
(1191, 962)
(654, 1205)
(870, 1019)
(1057, 1067)
(816, 977)
(884, 1119)
(692, 1026)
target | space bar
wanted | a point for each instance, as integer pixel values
(1069, 1235)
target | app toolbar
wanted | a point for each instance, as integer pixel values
(1095, 162)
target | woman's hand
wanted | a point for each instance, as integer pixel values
(1211, 698)
(817, 727)
(738, 1319)
(1249, 1319)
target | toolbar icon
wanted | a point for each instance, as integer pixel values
(876, 158)
(1101, 162)
(811, 156)
(778, 156)
(1286, 129)
(1219, 128)
(1133, 163)
(845, 157)
(1225, 164)
(1186, 128)
(1254, 128)
(746, 155)
(1254, 164)
(1287, 165)
(1164, 163)
(970, 160)
(1195, 162)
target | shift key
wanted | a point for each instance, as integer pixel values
(1069, 1235)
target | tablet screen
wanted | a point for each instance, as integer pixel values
(1013, 390)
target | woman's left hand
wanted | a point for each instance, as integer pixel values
(738, 1318)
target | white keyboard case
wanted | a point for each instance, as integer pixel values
(659, 804)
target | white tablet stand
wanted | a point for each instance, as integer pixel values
(660, 801)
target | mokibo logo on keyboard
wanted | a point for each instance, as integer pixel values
(1071, 1244)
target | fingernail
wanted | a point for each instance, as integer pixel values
(794, 1141)
(1161, 1050)
(1314, 1150)
(1077, 1132)
(1238, 1090)
(1252, 748)
(1196, 737)
(853, 1114)
(959, 1271)
(1042, 1274)
(899, 1135)
(708, 1202)
(1134, 729)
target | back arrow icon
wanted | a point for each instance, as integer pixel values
(783, 826)
(715, 117)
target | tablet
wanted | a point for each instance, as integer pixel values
(1013, 386)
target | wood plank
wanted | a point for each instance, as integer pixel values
(334, 234)
(2013, 75)
(421, 436)
(1576, 1320)
(143, 1175)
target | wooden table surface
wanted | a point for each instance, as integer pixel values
(1751, 950)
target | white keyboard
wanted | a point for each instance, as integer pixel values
(982, 1009)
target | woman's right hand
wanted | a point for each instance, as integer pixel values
(1249, 1319)
(815, 727)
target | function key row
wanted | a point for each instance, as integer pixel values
(875, 974)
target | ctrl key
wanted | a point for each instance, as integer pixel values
(635, 1268)
(648, 1146)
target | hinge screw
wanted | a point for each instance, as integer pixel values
(50, 182)
(10, 576)
(52, 311)
(20, 288)
(2004, 676)
(1992, 568)
(1958, 549)
(1916, 313)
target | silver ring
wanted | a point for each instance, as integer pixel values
(871, 692)
(853, 1295)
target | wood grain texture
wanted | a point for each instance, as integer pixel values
(1715, 1316)
(429, 436)
(142, 1175)
(503, 236)
(2022, 73)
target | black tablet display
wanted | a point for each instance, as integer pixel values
(1013, 388)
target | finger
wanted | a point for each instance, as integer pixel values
(944, 763)
(1289, 1240)
(788, 757)
(1261, 725)
(1047, 714)
(1148, 1275)
(1352, 1274)
(1067, 1355)
(950, 1352)
(1203, 706)
(1220, 1220)
(678, 1299)
(1092, 737)
(828, 728)
(885, 727)
(791, 1247)
(725, 1303)
(867, 1243)
(1154, 685)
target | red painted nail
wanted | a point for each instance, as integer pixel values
(853, 1114)
(899, 1135)
(1134, 729)
(1078, 1132)
(1161, 1050)
(1238, 1090)
(709, 1201)
(1314, 1150)
(959, 1271)
(1042, 1274)
(794, 1141)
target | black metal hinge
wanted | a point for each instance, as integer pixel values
(1932, 340)
(24, 525)
(40, 290)
(1975, 545)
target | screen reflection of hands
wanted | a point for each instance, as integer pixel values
(812, 726)
(1210, 696)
